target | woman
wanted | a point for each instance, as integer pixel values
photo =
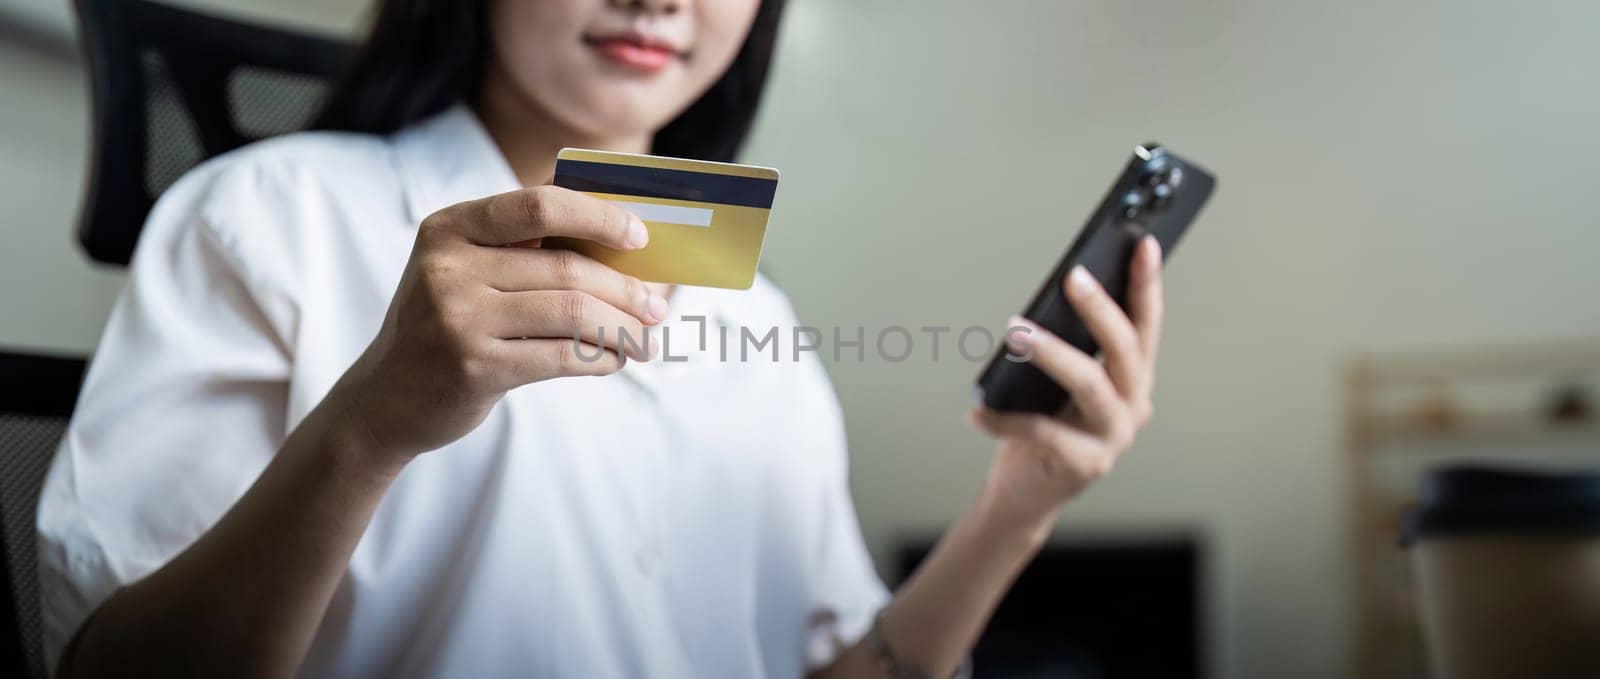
(268, 474)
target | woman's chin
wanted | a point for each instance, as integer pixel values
(624, 115)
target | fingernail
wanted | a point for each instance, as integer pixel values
(1020, 337)
(638, 235)
(658, 308)
(1079, 282)
(1152, 251)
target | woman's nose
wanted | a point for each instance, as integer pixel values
(647, 6)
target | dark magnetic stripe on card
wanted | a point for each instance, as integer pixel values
(650, 182)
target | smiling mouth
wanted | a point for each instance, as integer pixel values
(635, 52)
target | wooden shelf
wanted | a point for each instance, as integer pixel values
(1479, 364)
(1389, 430)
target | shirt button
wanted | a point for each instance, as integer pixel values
(648, 558)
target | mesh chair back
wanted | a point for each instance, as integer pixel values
(36, 397)
(172, 88)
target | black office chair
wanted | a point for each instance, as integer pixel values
(171, 88)
(37, 398)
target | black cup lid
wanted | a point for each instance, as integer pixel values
(1466, 499)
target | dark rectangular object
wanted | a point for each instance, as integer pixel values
(1105, 609)
(655, 182)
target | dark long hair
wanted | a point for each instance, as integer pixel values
(422, 56)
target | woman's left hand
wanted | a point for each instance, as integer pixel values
(1045, 460)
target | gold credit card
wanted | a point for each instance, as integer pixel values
(706, 220)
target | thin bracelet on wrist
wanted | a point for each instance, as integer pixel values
(891, 664)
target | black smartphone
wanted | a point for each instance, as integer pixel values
(1158, 193)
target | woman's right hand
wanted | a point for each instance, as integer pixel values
(481, 309)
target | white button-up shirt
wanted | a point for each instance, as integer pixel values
(680, 518)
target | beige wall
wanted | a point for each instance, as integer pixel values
(51, 298)
(1392, 175)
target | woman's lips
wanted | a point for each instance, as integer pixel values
(635, 52)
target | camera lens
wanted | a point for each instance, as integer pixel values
(1160, 196)
(1155, 173)
(1133, 203)
(1174, 177)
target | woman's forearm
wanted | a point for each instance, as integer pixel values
(938, 614)
(246, 598)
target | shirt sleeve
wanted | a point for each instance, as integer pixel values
(845, 590)
(183, 405)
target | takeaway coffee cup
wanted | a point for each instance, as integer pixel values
(1508, 572)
